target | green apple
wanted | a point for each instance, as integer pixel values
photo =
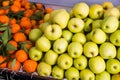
(64, 61)
(116, 76)
(87, 74)
(79, 37)
(43, 26)
(72, 74)
(81, 10)
(50, 57)
(53, 32)
(60, 17)
(112, 12)
(60, 45)
(97, 64)
(67, 35)
(44, 69)
(98, 36)
(96, 11)
(88, 24)
(115, 38)
(113, 66)
(43, 44)
(57, 72)
(110, 24)
(71, 13)
(35, 54)
(75, 49)
(118, 53)
(35, 34)
(80, 63)
(96, 23)
(75, 25)
(107, 5)
(88, 37)
(46, 17)
(107, 50)
(103, 76)
(90, 49)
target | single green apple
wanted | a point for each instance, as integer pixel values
(64, 61)
(80, 63)
(88, 24)
(60, 17)
(107, 50)
(107, 5)
(98, 36)
(43, 44)
(43, 26)
(67, 35)
(87, 74)
(90, 49)
(118, 53)
(115, 38)
(75, 49)
(53, 32)
(96, 11)
(81, 10)
(103, 76)
(75, 25)
(97, 64)
(57, 72)
(72, 74)
(113, 66)
(96, 23)
(35, 54)
(110, 24)
(35, 34)
(50, 57)
(44, 69)
(60, 45)
(116, 76)
(46, 17)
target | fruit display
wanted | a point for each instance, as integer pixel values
(78, 44)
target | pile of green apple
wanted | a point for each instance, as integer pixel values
(83, 43)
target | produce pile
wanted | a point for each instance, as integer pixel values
(83, 43)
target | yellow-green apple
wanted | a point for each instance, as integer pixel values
(64, 61)
(80, 63)
(75, 49)
(43, 44)
(107, 5)
(96, 11)
(60, 17)
(67, 35)
(113, 66)
(53, 31)
(35, 34)
(115, 76)
(110, 24)
(90, 49)
(79, 37)
(96, 23)
(112, 12)
(75, 25)
(97, 64)
(72, 74)
(44, 69)
(88, 24)
(50, 57)
(87, 74)
(57, 72)
(118, 53)
(103, 76)
(46, 17)
(107, 50)
(87, 37)
(42, 26)
(115, 38)
(60, 45)
(35, 54)
(98, 36)
(81, 10)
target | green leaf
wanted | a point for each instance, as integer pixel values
(10, 47)
(13, 62)
(3, 28)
